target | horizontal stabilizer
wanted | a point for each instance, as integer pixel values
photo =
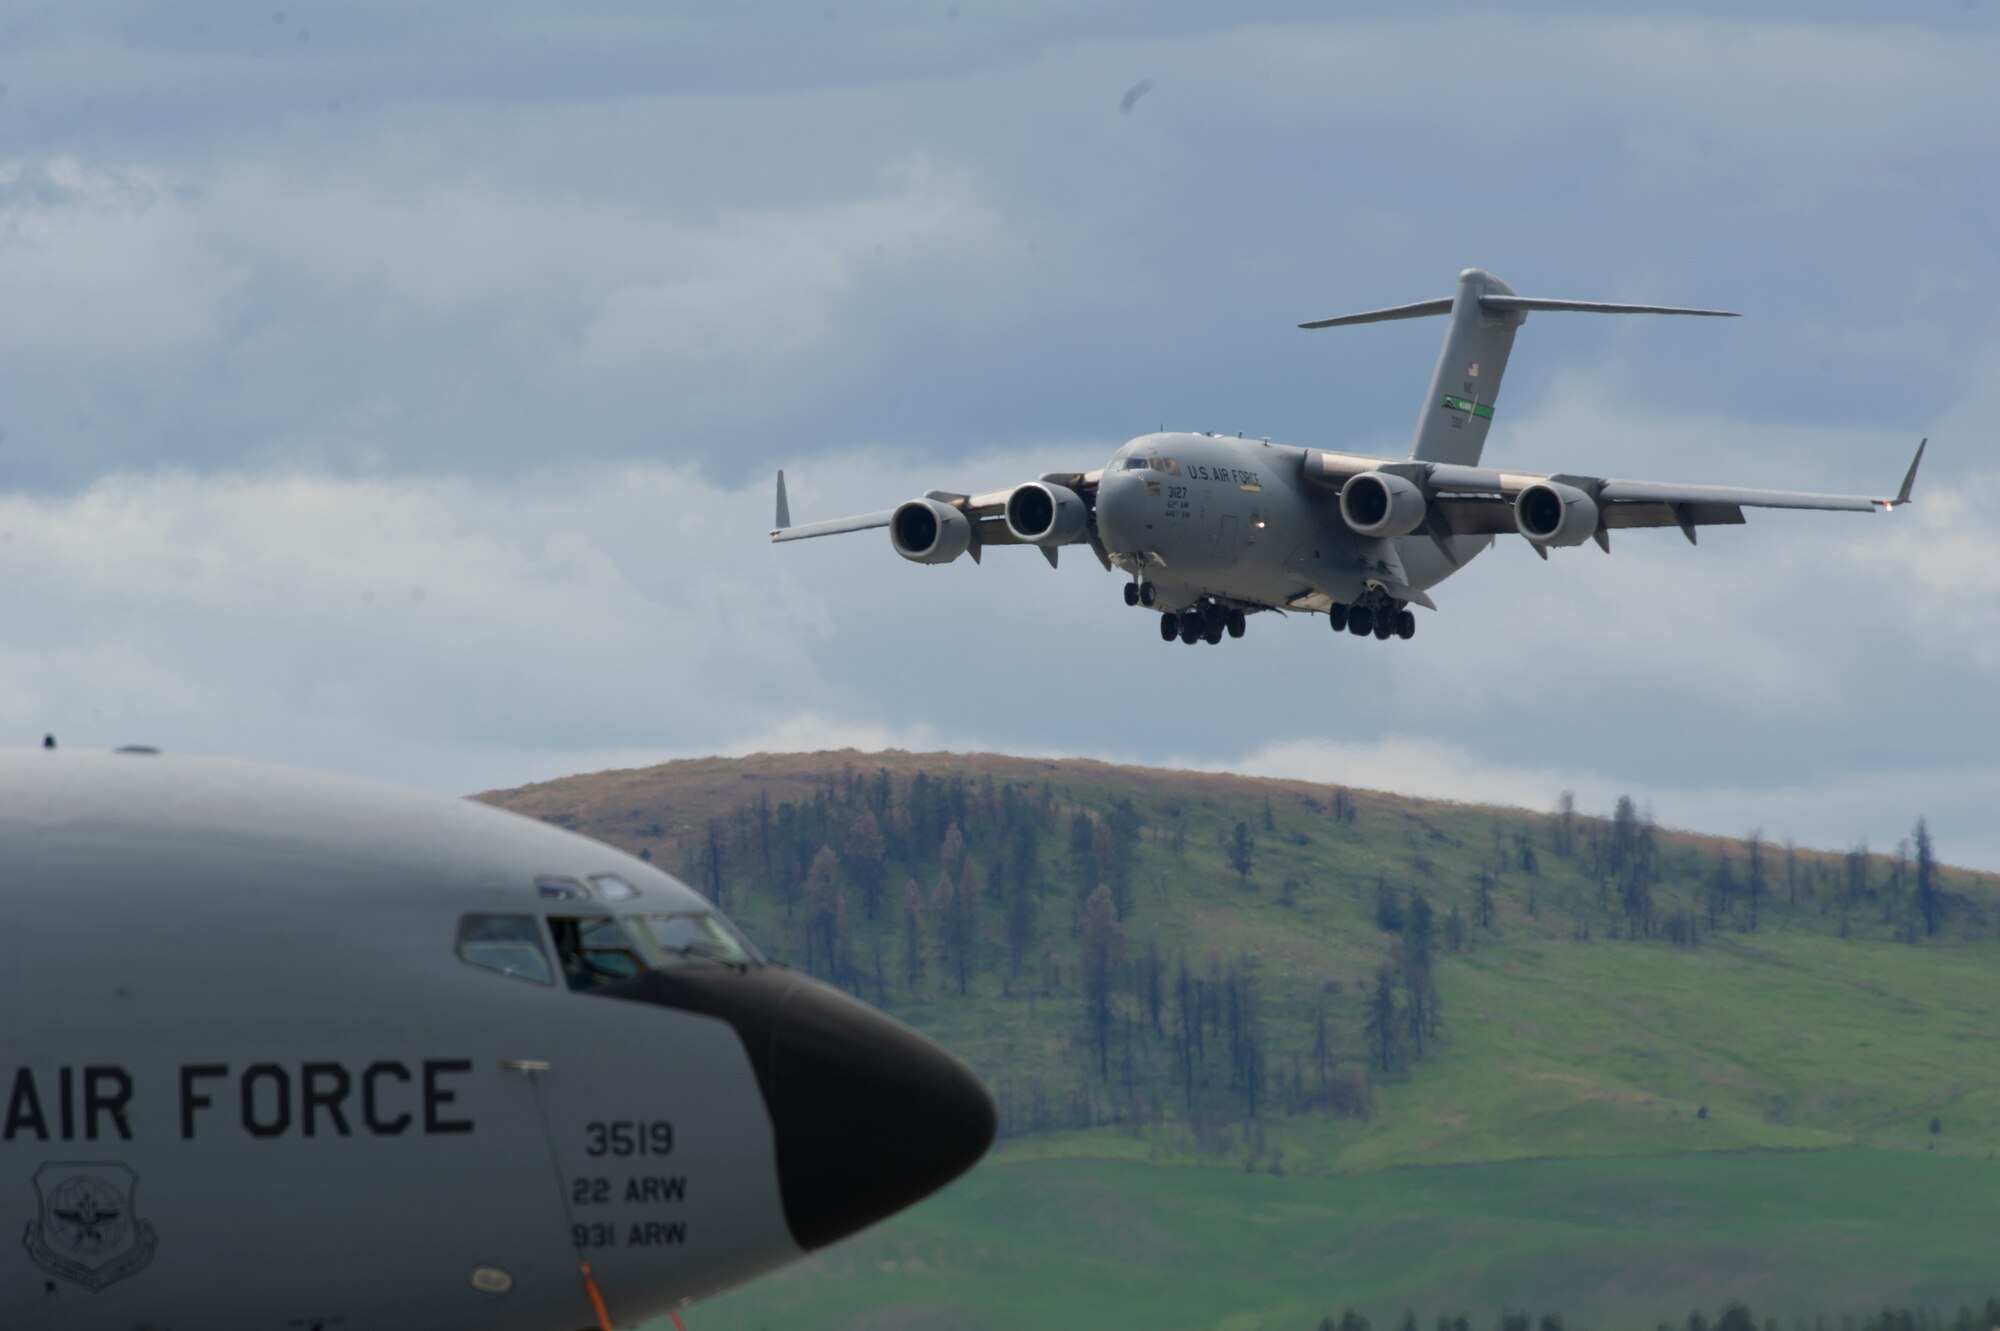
(1416, 311)
(1497, 303)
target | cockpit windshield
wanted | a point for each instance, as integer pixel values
(1137, 464)
(695, 937)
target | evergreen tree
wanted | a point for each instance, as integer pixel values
(1103, 943)
(951, 855)
(826, 917)
(1242, 852)
(965, 926)
(1382, 1021)
(913, 935)
(863, 854)
(1929, 899)
(713, 865)
(1388, 907)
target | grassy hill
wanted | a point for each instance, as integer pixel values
(1618, 1015)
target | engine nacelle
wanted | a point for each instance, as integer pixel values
(1376, 503)
(1551, 513)
(1043, 514)
(925, 531)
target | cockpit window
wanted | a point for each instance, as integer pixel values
(1136, 464)
(561, 889)
(595, 950)
(1173, 467)
(696, 936)
(613, 888)
(509, 944)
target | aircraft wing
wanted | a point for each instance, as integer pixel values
(833, 527)
(1479, 501)
(986, 512)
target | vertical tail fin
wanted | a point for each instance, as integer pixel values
(1485, 312)
(1459, 407)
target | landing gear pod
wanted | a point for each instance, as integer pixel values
(1378, 504)
(1551, 513)
(1039, 513)
(925, 531)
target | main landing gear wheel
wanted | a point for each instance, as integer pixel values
(1190, 629)
(1336, 615)
(1406, 625)
(1385, 627)
(1170, 626)
(1146, 593)
(1213, 633)
(1131, 593)
(1360, 621)
(1236, 624)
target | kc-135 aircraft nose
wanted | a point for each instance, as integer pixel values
(867, 1116)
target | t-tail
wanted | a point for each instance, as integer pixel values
(1485, 312)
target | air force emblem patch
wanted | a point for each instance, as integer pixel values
(87, 1233)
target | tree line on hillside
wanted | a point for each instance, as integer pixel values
(1734, 1316)
(918, 892)
(1005, 885)
(1622, 857)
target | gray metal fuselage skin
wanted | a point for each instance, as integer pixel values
(247, 1080)
(1241, 522)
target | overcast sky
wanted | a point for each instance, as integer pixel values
(397, 389)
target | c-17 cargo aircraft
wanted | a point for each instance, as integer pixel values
(300, 1052)
(1211, 529)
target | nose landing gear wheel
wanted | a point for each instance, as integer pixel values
(1170, 627)
(1406, 625)
(1236, 624)
(1131, 593)
(1146, 593)
(1360, 621)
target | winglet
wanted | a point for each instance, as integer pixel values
(1909, 477)
(784, 508)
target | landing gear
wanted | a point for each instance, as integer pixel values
(1385, 626)
(1146, 593)
(1360, 621)
(1139, 593)
(1336, 615)
(1205, 621)
(1131, 593)
(1406, 625)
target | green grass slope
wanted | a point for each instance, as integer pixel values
(1748, 1112)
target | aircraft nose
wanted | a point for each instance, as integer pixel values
(1117, 497)
(869, 1116)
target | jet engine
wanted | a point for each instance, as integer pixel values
(1551, 513)
(1376, 503)
(925, 531)
(1043, 514)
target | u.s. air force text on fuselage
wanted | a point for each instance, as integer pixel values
(280, 1049)
(1210, 529)
(386, 1097)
